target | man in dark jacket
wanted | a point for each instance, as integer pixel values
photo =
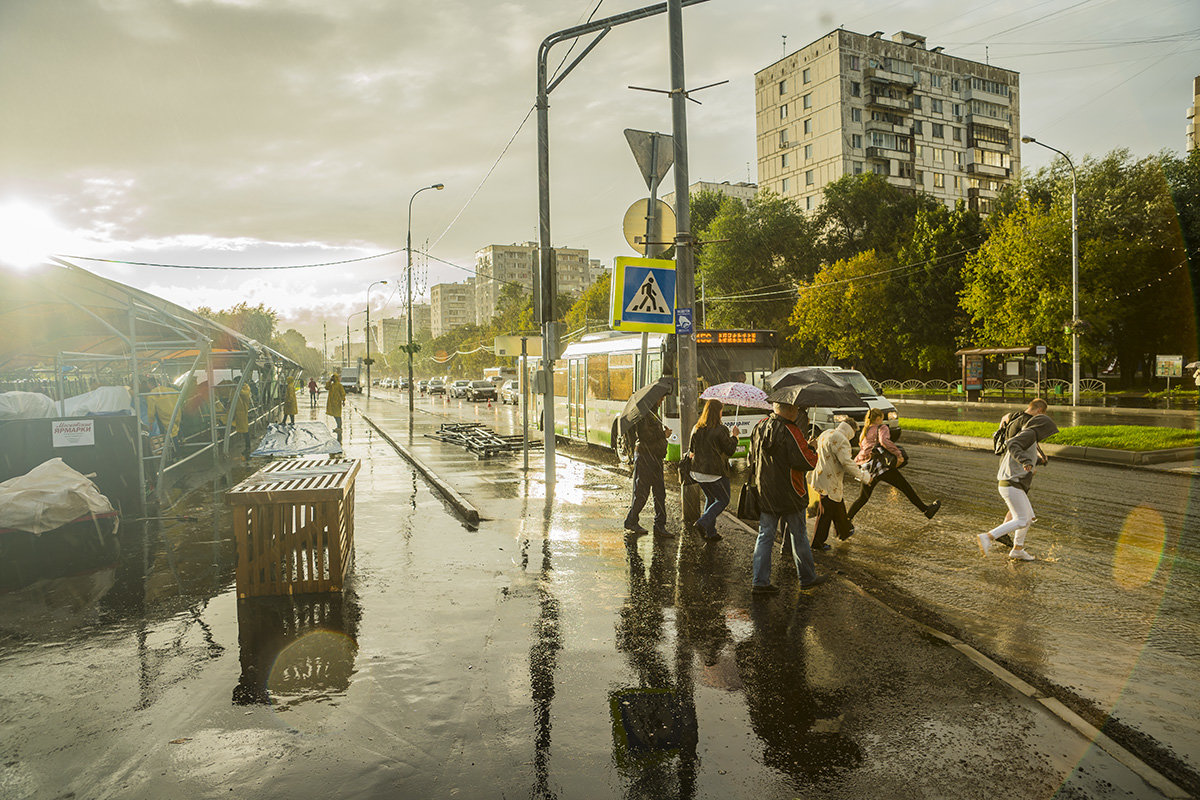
(650, 448)
(779, 458)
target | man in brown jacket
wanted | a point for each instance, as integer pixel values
(650, 448)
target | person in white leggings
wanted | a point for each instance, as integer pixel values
(1015, 476)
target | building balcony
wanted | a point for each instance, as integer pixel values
(988, 97)
(983, 119)
(976, 192)
(883, 101)
(887, 76)
(887, 153)
(885, 127)
(987, 169)
(983, 144)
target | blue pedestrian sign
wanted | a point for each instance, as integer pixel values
(643, 295)
(683, 321)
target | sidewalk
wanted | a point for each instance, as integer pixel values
(812, 690)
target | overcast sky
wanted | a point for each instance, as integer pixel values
(276, 132)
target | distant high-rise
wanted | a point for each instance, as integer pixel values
(1193, 132)
(500, 265)
(742, 191)
(850, 103)
(450, 305)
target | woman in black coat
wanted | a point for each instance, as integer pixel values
(712, 446)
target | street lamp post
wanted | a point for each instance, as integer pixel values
(346, 355)
(408, 264)
(367, 361)
(1074, 270)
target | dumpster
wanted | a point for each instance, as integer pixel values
(294, 525)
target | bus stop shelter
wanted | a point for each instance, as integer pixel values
(973, 361)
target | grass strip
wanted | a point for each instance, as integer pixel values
(1113, 437)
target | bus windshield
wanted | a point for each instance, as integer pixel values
(731, 356)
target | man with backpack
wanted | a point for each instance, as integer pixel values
(1017, 445)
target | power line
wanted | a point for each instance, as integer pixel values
(198, 266)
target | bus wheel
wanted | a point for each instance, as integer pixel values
(620, 446)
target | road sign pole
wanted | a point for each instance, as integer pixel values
(651, 249)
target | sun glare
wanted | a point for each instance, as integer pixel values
(27, 234)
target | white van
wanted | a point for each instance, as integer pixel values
(824, 418)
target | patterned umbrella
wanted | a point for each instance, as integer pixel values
(737, 394)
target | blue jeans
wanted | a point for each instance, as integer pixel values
(794, 527)
(647, 478)
(717, 495)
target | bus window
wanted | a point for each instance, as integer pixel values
(620, 376)
(560, 378)
(597, 377)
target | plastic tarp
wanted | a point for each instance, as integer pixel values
(302, 439)
(26, 405)
(47, 497)
(106, 400)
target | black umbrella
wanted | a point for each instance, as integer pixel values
(645, 400)
(812, 387)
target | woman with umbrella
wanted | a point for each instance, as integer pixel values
(712, 445)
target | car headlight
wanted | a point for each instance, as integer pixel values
(893, 414)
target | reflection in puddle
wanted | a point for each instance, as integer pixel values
(296, 649)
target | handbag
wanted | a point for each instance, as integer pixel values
(685, 470)
(747, 507)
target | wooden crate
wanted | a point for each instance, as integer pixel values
(294, 524)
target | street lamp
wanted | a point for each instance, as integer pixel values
(346, 354)
(367, 361)
(1074, 271)
(408, 247)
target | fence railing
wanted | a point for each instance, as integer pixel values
(1055, 387)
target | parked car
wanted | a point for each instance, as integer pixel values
(510, 392)
(481, 390)
(422, 386)
(404, 384)
(823, 419)
(458, 388)
(437, 386)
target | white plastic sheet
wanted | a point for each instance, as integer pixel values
(47, 497)
(102, 401)
(26, 405)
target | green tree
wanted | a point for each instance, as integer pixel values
(592, 307)
(865, 212)
(1183, 178)
(292, 344)
(256, 322)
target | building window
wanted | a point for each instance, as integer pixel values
(920, 176)
(938, 131)
(918, 127)
(958, 158)
(786, 185)
(808, 203)
(856, 141)
(806, 76)
(808, 126)
(957, 183)
(856, 115)
(806, 101)
(957, 134)
(783, 160)
(808, 178)
(935, 81)
(808, 151)
(783, 138)
(783, 111)
(853, 62)
(935, 106)
(879, 169)
(906, 169)
(991, 87)
(939, 180)
(857, 167)
(855, 89)
(939, 154)
(783, 86)
(917, 102)
(918, 151)
(954, 84)
(957, 108)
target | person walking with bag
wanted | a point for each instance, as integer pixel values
(335, 397)
(712, 445)
(882, 459)
(833, 464)
(779, 458)
(650, 448)
(312, 392)
(1015, 477)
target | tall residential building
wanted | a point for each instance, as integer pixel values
(1193, 132)
(450, 305)
(498, 265)
(388, 334)
(742, 191)
(850, 103)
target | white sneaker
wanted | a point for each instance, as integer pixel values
(985, 543)
(1021, 555)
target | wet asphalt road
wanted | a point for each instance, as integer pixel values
(541, 655)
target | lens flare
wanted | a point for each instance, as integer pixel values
(1140, 548)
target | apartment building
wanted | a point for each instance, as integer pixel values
(1193, 132)
(742, 190)
(388, 334)
(849, 103)
(450, 305)
(499, 265)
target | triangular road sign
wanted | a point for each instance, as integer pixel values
(648, 299)
(654, 153)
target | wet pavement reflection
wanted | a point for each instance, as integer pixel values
(544, 654)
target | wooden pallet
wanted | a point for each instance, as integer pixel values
(294, 525)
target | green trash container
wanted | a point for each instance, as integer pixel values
(1058, 389)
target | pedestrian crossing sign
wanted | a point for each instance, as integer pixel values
(643, 295)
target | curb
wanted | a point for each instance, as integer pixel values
(468, 512)
(1092, 455)
(1081, 726)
